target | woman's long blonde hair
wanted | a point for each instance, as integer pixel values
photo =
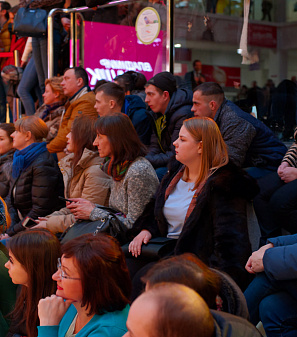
(214, 150)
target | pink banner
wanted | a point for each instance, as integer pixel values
(111, 50)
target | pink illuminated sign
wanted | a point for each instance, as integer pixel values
(110, 50)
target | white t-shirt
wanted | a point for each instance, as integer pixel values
(176, 207)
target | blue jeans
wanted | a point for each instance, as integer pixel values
(161, 171)
(39, 46)
(258, 172)
(275, 304)
(276, 206)
(2, 102)
(28, 83)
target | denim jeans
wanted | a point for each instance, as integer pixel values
(275, 304)
(2, 102)
(161, 171)
(39, 46)
(28, 83)
(276, 206)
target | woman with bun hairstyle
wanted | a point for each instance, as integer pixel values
(36, 181)
(33, 256)
(6, 156)
(53, 107)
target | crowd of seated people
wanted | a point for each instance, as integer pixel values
(179, 167)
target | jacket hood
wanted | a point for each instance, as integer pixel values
(180, 98)
(134, 101)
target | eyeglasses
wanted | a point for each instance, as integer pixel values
(59, 267)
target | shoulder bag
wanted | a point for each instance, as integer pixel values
(30, 22)
(109, 224)
(155, 249)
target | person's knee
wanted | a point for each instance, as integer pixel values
(279, 317)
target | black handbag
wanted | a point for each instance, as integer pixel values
(109, 224)
(30, 22)
(155, 249)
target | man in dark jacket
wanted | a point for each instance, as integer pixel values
(110, 97)
(169, 108)
(251, 144)
(272, 296)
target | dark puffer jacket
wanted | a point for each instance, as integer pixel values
(216, 230)
(178, 109)
(5, 165)
(135, 108)
(35, 192)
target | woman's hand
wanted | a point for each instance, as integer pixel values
(288, 174)
(4, 236)
(80, 208)
(255, 262)
(281, 168)
(41, 223)
(52, 309)
(135, 246)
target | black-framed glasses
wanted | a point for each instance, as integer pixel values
(63, 275)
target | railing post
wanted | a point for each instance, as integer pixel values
(170, 37)
(50, 45)
(17, 105)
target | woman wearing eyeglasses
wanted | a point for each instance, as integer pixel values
(93, 290)
(33, 258)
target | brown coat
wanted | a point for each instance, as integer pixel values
(87, 181)
(4, 41)
(84, 105)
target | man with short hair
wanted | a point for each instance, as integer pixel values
(169, 107)
(174, 310)
(195, 77)
(110, 97)
(80, 101)
(251, 144)
(169, 310)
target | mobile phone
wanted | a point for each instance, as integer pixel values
(68, 200)
(29, 222)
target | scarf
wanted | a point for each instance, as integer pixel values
(160, 126)
(50, 107)
(23, 158)
(118, 171)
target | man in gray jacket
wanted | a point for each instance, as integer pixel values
(251, 144)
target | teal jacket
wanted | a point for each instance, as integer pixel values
(111, 324)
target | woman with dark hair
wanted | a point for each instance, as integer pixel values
(93, 290)
(134, 180)
(33, 258)
(36, 180)
(6, 155)
(201, 203)
(7, 289)
(81, 171)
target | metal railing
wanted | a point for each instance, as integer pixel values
(75, 12)
(17, 110)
